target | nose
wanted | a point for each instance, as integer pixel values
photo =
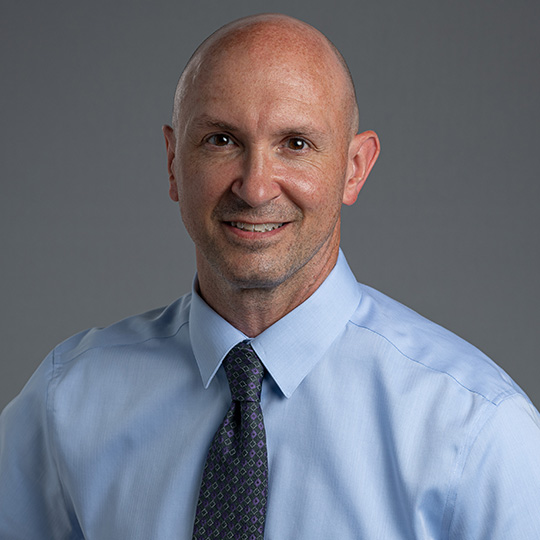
(257, 183)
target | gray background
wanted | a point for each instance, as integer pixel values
(448, 222)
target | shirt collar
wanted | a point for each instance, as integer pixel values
(291, 347)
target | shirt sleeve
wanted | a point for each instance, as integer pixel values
(498, 493)
(32, 504)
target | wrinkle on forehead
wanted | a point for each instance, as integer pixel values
(276, 42)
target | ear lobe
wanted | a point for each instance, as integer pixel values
(170, 145)
(363, 153)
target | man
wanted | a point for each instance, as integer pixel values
(371, 422)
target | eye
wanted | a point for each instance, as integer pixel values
(219, 139)
(296, 143)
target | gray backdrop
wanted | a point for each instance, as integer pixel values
(448, 222)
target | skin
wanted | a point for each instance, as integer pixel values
(265, 133)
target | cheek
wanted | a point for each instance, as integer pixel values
(198, 187)
(316, 188)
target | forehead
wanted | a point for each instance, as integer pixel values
(241, 80)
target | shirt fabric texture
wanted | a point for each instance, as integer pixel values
(380, 425)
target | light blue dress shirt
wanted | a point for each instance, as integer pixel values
(380, 425)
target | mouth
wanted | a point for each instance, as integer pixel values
(255, 227)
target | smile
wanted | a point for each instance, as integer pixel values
(256, 227)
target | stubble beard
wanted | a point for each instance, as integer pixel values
(259, 267)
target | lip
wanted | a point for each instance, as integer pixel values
(251, 234)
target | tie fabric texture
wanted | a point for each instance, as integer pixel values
(232, 499)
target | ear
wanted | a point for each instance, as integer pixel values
(170, 144)
(363, 153)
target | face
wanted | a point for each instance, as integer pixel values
(261, 161)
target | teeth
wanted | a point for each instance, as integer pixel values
(256, 227)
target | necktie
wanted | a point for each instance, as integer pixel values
(232, 499)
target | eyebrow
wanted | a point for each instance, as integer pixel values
(206, 121)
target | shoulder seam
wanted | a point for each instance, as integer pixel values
(495, 401)
(49, 411)
(114, 345)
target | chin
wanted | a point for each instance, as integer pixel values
(261, 275)
(255, 280)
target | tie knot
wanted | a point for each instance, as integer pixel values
(245, 372)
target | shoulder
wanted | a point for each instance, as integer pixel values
(106, 357)
(101, 371)
(420, 344)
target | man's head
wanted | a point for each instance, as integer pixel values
(263, 153)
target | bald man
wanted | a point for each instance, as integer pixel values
(280, 399)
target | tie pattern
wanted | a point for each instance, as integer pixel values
(232, 499)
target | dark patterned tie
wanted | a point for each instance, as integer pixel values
(232, 500)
